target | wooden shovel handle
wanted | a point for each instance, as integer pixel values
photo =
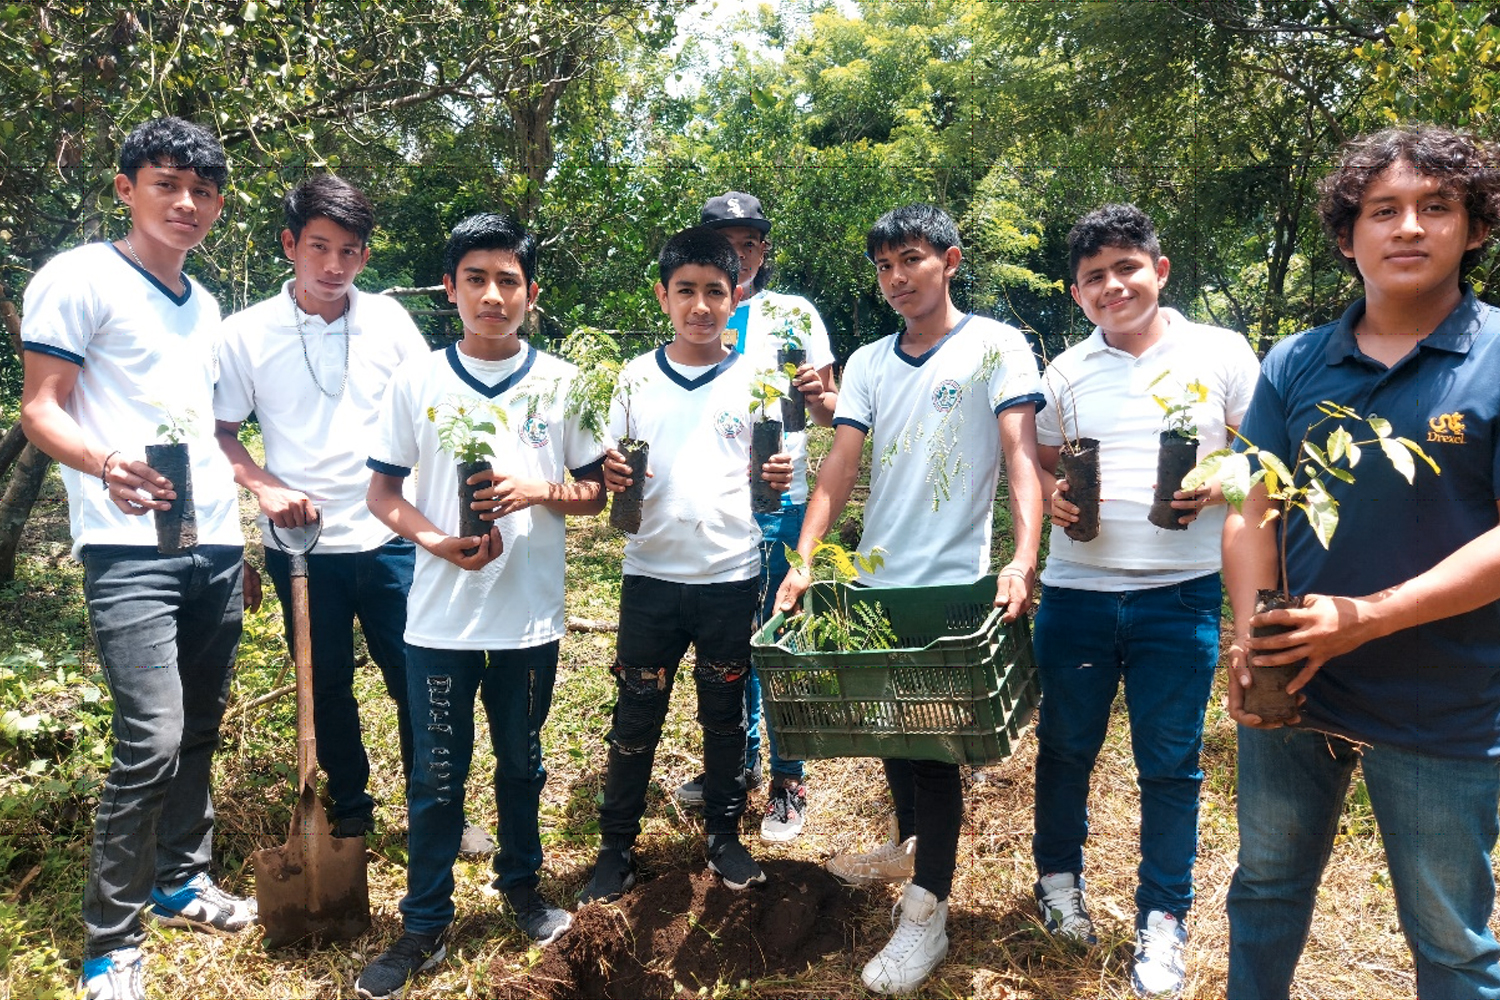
(307, 741)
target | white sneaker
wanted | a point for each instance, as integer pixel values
(887, 863)
(1059, 898)
(115, 976)
(1158, 970)
(919, 944)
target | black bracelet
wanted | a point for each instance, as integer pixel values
(104, 469)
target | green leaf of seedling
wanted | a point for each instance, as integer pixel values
(1380, 425)
(1339, 442)
(1400, 458)
(161, 429)
(1276, 474)
(1315, 453)
(842, 564)
(1342, 475)
(1354, 453)
(1322, 512)
(794, 558)
(484, 427)
(1416, 449)
(1212, 465)
(1336, 410)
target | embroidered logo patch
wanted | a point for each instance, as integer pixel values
(728, 424)
(1447, 428)
(945, 395)
(534, 431)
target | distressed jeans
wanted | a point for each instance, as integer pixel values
(1162, 643)
(777, 531)
(658, 621)
(1437, 820)
(167, 628)
(371, 586)
(515, 686)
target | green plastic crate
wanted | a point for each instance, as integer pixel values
(962, 687)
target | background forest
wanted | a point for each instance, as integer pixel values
(604, 124)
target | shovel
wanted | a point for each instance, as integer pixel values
(313, 886)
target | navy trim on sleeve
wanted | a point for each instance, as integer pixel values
(1035, 398)
(178, 300)
(851, 422)
(918, 362)
(385, 469)
(694, 383)
(597, 465)
(57, 352)
(490, 391)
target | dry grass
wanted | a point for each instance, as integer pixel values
(998, 949)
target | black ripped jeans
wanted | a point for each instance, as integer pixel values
(658, 621)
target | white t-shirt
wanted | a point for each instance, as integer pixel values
(1100, 392)
(142, 351)
(696, 525)
(515, 602)
(313, 443)
(936, 446)
(759, 344)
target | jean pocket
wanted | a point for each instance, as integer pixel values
(1202, 596)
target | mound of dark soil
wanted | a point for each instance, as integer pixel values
(684, 930)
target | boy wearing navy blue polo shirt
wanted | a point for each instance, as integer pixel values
(1401, 626)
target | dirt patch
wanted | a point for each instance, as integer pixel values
(683, 931)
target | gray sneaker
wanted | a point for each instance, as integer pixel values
(399, 964)
(690, 793)
(539, 919)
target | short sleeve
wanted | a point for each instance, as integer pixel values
(581, 448)
(856, 405)
(1014, 380)
(1264, 424)
(59, 314)
(1240, 380)
(234, 392)
(396, 448)
(409, 340)
(1048, 433)
(819, 348)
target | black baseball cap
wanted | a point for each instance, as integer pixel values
(734, 208)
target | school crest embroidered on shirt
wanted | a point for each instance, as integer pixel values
(945, 395)
(534, 431)
(728, 424)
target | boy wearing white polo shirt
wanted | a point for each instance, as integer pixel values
(691, 573)
(312, 364)
(119, 341)
(1137, 604)
(485, 616)
(941, 402)
(754, 330)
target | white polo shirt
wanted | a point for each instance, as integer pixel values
(936, 439)
(1098, 391)
(759, 344)
(142, 350)
(696, 525)
(315, 443)
(516, 601)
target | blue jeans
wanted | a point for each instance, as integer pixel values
(777, 531)
(515, 686)
(658, 621)
(1163, 643)
(167, 628)
(1437, 820)
(372, 586)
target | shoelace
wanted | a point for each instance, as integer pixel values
(1069, 904)
(408, 947)
(908, 934)
(1159, 945)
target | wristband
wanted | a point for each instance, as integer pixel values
(104, 469)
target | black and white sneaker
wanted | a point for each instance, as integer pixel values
(786, 811)
(203, 906)
(728, 859)
(1059, 899)
(399, 964)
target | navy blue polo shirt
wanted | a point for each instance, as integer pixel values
(1435, 687)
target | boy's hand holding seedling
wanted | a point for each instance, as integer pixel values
(778, 471)
(617, 471)
(134, 486)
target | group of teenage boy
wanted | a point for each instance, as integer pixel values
(1400, 628)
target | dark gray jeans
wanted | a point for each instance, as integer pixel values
(167, 629)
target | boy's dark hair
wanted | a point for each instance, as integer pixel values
(1468, 168)
(487, 231)
(699, 245)
(910, 223)
(1121, 226)
(333, 198)
(173, 142)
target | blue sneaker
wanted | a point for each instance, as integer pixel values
(114, 976)
(202, 906)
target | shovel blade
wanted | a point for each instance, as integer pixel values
(314, 885)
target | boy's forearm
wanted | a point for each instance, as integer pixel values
(836, 479)
(1250, 557)
(247, 472)
(391, 507)
(1018, 443)
(578, 498)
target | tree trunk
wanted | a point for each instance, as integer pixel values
(15, 507)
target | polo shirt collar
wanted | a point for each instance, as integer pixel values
(287, 309)
(1096, 344)
(1455, 334)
